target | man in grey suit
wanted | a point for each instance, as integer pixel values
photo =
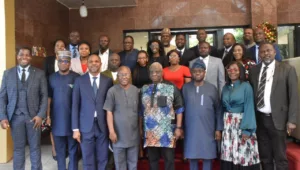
(275, 88)
(23, 104)
(214, 67)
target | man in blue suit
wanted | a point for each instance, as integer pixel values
(23, 105)
(88, 117)
(253, 52)
(59, 111)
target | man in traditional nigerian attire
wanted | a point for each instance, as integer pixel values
(166, 38)
(203, 118)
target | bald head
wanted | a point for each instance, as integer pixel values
(124, 76)
(156, 72)
(114, 62)
(228, 40)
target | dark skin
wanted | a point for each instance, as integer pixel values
(204, 49)
(201, 35)
(24, 58)
(228, 40)
(74, 37)
(259, 35)
(248, 36)
(155, 49)
(198, 75)
(114, 62)
(128, 44)
(165, 39)
(103, 43)
(180, 42)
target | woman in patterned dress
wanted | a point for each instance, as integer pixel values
(239, 149)
(239, 52)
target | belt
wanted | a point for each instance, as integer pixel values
(264, 114)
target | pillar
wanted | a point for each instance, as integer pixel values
(262, 11)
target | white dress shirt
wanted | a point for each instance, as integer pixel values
(71, 49)
(20, 72)
(104, 60)
(256, 54)
(56, 66)
(269, 81)
(226, 51)
(114, 75)
(205, 60)
(181, 51)
(97, 82)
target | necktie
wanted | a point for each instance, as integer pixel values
(23, 76)
(95, 85)
(74, 52)
(261, 89)
(180, 52)
(225, 53)
(257, 53)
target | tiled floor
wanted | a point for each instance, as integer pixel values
(47, 160)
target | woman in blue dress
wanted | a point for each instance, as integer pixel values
(239, 149)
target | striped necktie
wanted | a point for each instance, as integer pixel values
(261, 89)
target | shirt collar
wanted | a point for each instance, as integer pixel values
(270, 66)
(227, 49)
(21, 68)
(206, 58)
(182, 50)
(91, 76)
(105, 52)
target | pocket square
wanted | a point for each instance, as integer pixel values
(71, 85)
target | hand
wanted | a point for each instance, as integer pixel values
(76, 136)
(48, 121)
(37, 122)
(4, 124)
(218, 135)
(290, 128)
(245, 137)
(113, 137)
(177, 133)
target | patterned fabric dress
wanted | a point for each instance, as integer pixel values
(248, 64)
(160, 103)
(239, 119)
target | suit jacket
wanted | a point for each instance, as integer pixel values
(37, 94)
(85, 103)
(108, 73)
(251, 53)
(213, 51)
(214, 72)
(76, 66)
(49, 66)
(186, 57)
(284, 94)
(227, 58)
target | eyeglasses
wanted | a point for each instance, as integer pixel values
(64, 61)
(155, 72)
(233, 70)
(172, 56)
(154, 46)
(123, 75)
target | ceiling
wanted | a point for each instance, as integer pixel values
(75, 4)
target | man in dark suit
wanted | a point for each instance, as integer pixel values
(185, 55)
(275, 87)
(88, 117)
(226, 53)
(23, 105)
(104, 52)
(59, 111)
(201, 36)
(253, 52)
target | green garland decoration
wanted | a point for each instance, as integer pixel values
(270, 31)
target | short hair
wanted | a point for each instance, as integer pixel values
(23, 48)
(54, 43)
(73, 32)
(241, 70)
(104, 36)
(124, 67)
(94, 55)
(204, 42)
(173, 51)
(243, 48)
(86, 43)
(266, 43)
(178, 34)
(248, 29)
(231, 35)
(129, 36)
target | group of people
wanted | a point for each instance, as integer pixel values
(103, 104)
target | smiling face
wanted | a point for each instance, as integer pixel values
(228, 40)
(180, 41)
(128, 44)
(238, 53)
(156, 72)
(94, 64)
(64, 65)
(104, 42)
(154, 47)
(74, 37)
(267, 53)
(233, 72)
(142, 59)
(201, 35)
(259, 35)
(59, 46)
(248, 35)
(24, 57)
(124, 76)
